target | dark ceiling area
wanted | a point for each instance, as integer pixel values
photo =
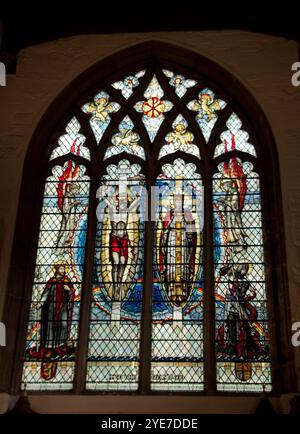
(31, 22)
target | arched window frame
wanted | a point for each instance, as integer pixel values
(37, 168)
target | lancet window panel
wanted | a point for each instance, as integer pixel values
(178, 281)
(52, 334)
(242, 327)
(116, 307)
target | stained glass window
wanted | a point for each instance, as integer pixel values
(114, 340)
(152, 126)
(179, 139)
(177, 299)
(234, 138)
(54, 311)
(242, 335)
(129, 83)
(207, 107)
(153, 108)
(126, 140)
(71, 142)
(180, 83)
(100, 110)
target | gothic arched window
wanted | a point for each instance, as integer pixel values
(150, 271)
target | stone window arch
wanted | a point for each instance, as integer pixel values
(202, 311)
